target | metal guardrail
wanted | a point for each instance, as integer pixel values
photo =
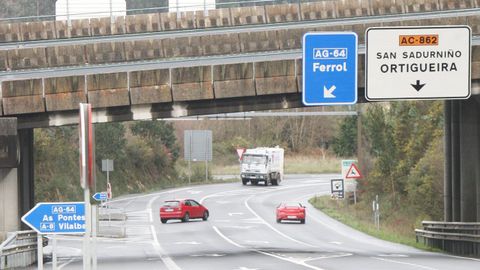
(460, 238)
(19, 250)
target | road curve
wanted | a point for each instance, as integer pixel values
(242, 234)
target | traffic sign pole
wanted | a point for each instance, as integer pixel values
(86, 238)
(54, 253)
(40, 251)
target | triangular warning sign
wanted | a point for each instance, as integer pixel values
(240, 152)
(353, 172)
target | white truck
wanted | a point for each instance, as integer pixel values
(262, 165)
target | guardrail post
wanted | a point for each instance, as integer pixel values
(40, 252)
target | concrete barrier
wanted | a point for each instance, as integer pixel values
(38, 30)
(215, 18)
(182, 47)
(10, 32)
(220, 44)
(318, 10)
(108, 90)
(352, 8)
(100, 26)
(259, 41)
(275, 77)
(119, 27)
(184, 20)
(61, 29)
(192, 83)
(65, 55)
(150, 86)
(291, 39)
(80, 28)
(20, 97)
(421, 5)
(143, 23)
(248, 15)
(107, 52)
(385, 7)
(443, 21)
(282, 13)
(27, 58)
(457, 4)
(144, 50)
(3, 60)
(474, 23)
(299, 64)
(233, 80)
(64, 93)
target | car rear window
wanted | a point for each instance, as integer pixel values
(171, 204)
(292, 205)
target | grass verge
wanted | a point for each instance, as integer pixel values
(394, 228)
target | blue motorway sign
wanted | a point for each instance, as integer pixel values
(56, 218)
(100, 196)
(329, 68)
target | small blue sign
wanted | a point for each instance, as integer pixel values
(100, 196)
(329, 68)
(56, 218)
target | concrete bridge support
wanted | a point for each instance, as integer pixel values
(462, 155)
(16, 175)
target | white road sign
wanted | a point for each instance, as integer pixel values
(418, 63)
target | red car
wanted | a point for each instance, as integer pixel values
(183, 210)
(291, 211)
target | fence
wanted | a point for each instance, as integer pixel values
(19, 250)
(459, 238)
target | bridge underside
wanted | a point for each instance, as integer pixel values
(462, 156)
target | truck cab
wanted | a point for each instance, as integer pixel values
(263, 165)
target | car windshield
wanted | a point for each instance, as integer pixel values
(171, 204)
(254, 159)
(291, 204)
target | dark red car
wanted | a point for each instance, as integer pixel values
(291, 211)
(183, 210)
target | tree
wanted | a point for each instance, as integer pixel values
(158, 132)
(110, 141)
(345, 143)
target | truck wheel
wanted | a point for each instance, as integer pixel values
(254, 182)
(274, 182)
(244, 181)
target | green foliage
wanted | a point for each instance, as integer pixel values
(158, 133)
(110, 142)
(345, 143)
(404, 139)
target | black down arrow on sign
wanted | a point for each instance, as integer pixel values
(418, 86)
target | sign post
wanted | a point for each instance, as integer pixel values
(329, 68)
(430, 62)
(55, 218)
(337, 188)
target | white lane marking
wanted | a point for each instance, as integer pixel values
(147, 195)
(194, 192)
(335, 242)
(169, 263)
(240, 227)
(235, 214)
(405, 263)
(223, 202)
(246, 268)
(302, 263)
(329, 257)
(459, 257)
(273, 228)
(257, 242)
(393, 255)
(208, 255)
(65, 264)
(226, 238)
(188, 243)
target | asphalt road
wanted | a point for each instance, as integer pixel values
(242, 234)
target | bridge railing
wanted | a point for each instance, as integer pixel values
(459, 238)
(19, 250)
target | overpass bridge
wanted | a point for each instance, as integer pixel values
(190, 63)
